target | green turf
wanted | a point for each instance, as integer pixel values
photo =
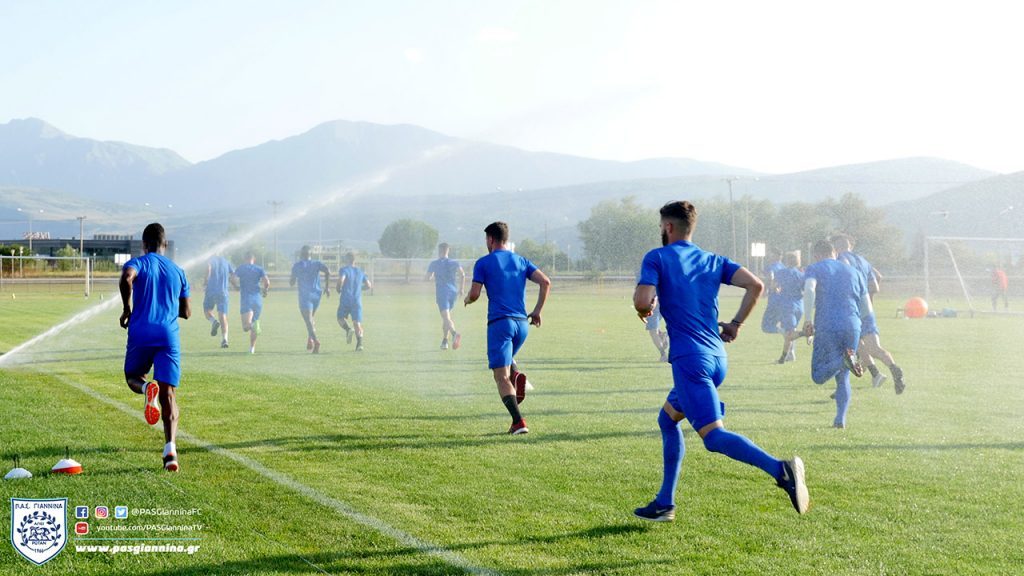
(923, 483)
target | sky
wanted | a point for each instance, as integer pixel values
(775, 86)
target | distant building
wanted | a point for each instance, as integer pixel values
(101, 247)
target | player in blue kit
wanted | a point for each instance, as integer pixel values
(253, 285)
(684, 280)
(504, 274)
(449, 284)
(770, 320)
(789, 283)
(870, 344)
(837, 296)
(218, 272)
(306, 273)
(154, 294)
(351, 283)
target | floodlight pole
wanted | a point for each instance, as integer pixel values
(732, 216)
(81, 235)
(275, 204)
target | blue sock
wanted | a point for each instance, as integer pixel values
(738, 447)
(843, 393)
(672, 451)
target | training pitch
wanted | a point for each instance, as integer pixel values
(394, 460)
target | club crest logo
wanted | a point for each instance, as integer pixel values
(39, 528)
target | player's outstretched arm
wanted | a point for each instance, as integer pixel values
(462, 281)
(265, 282)
(327, 283)
(185, 308)
(474, 293)
(367, 285)
(753, 287)
(544, 282)
(125, 287)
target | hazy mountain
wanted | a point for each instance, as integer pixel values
(57, 212)
(415, 160)
(993, 207)
(35, 154)
(876, 182)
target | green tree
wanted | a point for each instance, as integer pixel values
(408, 238)
(545, 255)
(618, 234)
(66, 252)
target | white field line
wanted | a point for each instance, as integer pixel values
(286, 481)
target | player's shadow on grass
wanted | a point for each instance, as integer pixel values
(920, 447)
(351, 442)
(485, 416)
(400, 560)
(549, 392)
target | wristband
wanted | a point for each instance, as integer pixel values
(736, 323)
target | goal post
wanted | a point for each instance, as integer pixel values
(965, 266)
(46, 274)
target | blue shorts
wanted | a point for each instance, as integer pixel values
(309, 301)
(829, 348)
(251, 303)
(165, 361)
(789, 315)
(695, 391)
(351, 309)
(446, 299)
(505, 337)
(868, 326)
(217, 300)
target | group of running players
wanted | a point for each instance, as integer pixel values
(679, 280)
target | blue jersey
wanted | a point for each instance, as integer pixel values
(687, 280)
(838, 294)
(774, 268)
(860, 264)
(504, 275)
(156, 291)
(352, 290)
(249, 277)
(446, 273)
(220, 271)
(791, 285)
(307, 272)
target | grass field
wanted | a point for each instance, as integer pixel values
(395, 461)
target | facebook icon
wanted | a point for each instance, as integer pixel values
(81, 512)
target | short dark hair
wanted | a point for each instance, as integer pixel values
(250, 254)
(154, 237)
(682, 212)
(304, 252)
(823, 248)
(841, 237)
(350, 257)
(443, 247)
(498, 231)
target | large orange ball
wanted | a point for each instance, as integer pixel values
(916, 307)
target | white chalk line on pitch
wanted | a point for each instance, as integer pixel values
(162, 479)
(313, 494)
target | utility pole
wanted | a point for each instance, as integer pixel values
(275, 204)
(81, 235)
(732, 216)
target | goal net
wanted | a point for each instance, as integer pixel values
(980, 274)
(46, 275)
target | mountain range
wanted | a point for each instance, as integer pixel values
(456, 184)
